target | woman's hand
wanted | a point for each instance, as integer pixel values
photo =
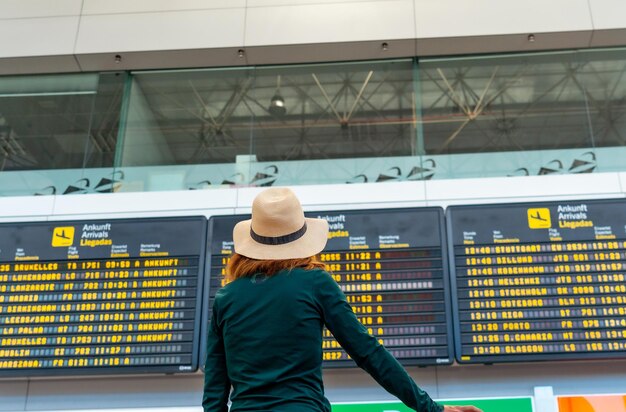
(461, 409)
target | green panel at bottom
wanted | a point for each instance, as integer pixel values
(487, 405)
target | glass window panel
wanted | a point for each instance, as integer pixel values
(334, 111)
(503, 104)
(45, 121)
(262, 126)
(515, 105)
(187, 117)
(603, 79)
(105, 120)
(52, 127)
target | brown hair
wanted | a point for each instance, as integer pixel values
(241, 266)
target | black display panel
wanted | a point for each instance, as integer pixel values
(541, 281)
(392, 266)
(101, 296)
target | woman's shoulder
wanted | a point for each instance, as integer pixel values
(227, 288)
(316, 275)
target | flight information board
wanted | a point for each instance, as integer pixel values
(392, 266)
(541, 281)
(100, 296)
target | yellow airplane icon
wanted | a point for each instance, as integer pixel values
(539, 218)
(63, 236)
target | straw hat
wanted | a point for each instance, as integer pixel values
(278, 229)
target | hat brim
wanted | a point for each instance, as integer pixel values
(311, 243)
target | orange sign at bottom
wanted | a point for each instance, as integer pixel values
(592, 403)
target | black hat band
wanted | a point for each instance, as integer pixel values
(278, 240)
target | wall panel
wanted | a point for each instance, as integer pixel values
(21, 9)
(138, 6)
(515, 189)
(330, 23)
(43, 36)
(608, 14)
(450, 18)
(352, 196)
(24, 207)
(609, 22)
(113, 33)
(141, 202)
(116, 392)
(13, 394)
(265, 3)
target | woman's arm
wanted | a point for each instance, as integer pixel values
(216, 382)
(365, 349)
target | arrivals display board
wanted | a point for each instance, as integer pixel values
(100, 296)
(392, 267)
(541, 281)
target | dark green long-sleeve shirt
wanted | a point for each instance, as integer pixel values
(265, 339)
